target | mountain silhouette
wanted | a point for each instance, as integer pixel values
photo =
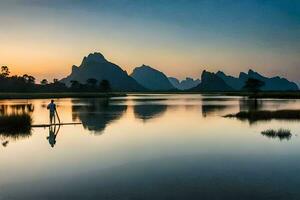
(149, 111)
(151, 78)
(96, 66)
(186, 84)
(211, 82)
(271, 84)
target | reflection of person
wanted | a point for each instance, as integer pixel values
(52, 109)
(52, 135)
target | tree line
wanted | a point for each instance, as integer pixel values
(27, 83)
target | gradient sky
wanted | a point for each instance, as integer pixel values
(178, 37)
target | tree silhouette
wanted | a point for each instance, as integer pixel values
(253, 85)
(91, 82)
(74, 84)
(28, 79)
(4, 71)
(105, 86)
(44, 82)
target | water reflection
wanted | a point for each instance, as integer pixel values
(208, 109)
(5, 143)
(53, 132)
(15, 122)
(247, 104)
(281, 134)
(96, 114)
(16, 109)
(207, 158)
(149, 111)
(8, 136)
(211, 105)
(258, 110)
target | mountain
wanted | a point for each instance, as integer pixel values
(211, 82)
(151, 78)
(97, 67)
(233, 82)
(271, 84)
(186, 84)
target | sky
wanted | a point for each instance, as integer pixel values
(178, 37)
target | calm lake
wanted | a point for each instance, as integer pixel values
(150, 147)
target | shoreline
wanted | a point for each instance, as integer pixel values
(260, 95)
(4, 96)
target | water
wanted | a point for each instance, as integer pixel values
(151, 147)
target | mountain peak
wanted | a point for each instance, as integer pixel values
(211, 82)
(151, 78)
(220, 73)
(74, 68)
(250, 71)
(146, 68)
(94, 57)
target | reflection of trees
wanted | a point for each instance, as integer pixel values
(95, 114)
(209, 109)
(149, 111)
(214, 105)
(16, 109)
(250, 104)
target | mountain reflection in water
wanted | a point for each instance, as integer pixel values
(95, 114)
(154, 147)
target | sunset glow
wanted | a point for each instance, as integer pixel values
(180, 38)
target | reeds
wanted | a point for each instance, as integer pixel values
(15, 125)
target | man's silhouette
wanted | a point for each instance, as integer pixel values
(52, 109)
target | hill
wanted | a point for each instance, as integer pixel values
(151, 78)
(96, 66)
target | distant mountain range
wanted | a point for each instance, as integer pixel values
(147, 78)
(271, 84)
(221, 82)
(151, 78)
(97, 67)
(186, 84)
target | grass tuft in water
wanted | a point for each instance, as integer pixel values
(15, 125)
(281, 133)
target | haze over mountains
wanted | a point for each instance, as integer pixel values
(185, 84)
(146, 78)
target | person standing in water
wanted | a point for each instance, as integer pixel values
(52, 109)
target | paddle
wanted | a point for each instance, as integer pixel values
(57, 116)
